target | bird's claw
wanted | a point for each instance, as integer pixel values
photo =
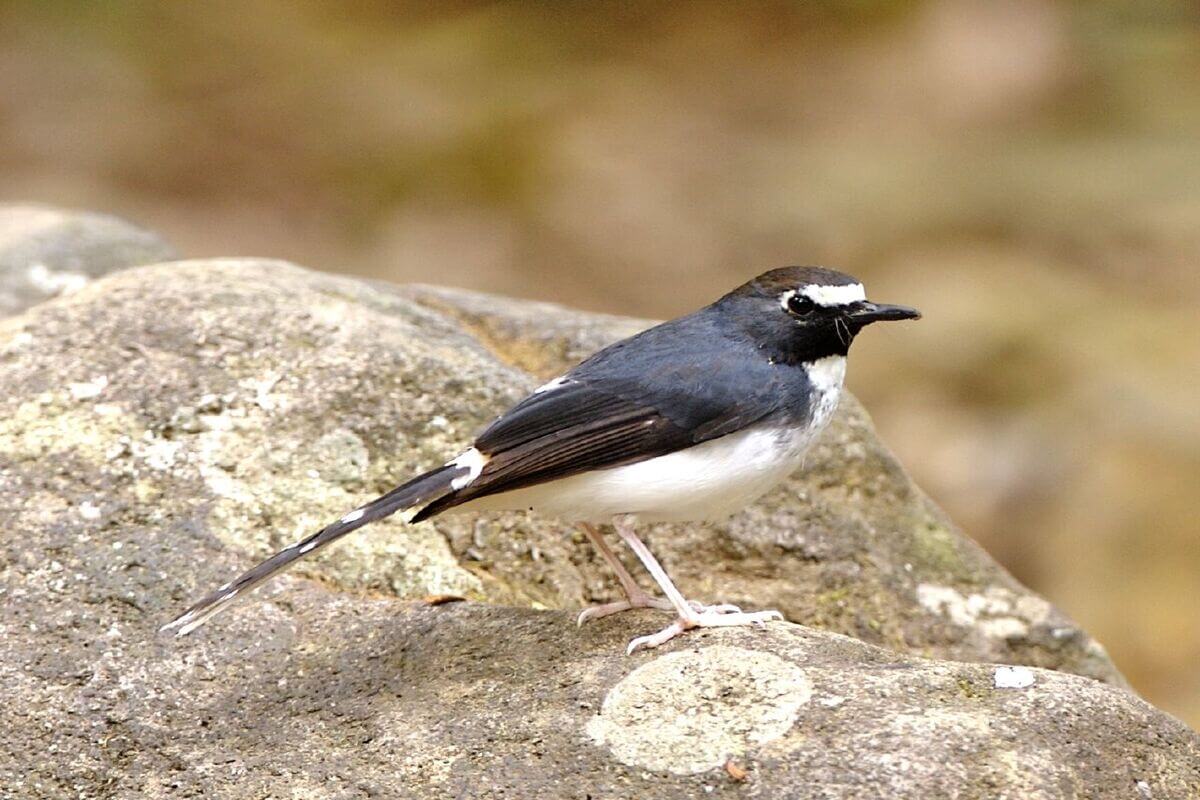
(646, 601)
(709, 618)
(606, 609)
(716, 608)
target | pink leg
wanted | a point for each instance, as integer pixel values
(690, 616)
(635, 596)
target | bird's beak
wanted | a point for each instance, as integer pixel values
(865, 313)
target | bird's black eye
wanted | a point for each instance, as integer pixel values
(800, 306)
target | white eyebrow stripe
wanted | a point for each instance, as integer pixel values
(825, 295)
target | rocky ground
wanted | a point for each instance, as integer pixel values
(162, 428)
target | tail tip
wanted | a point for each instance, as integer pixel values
(181, 626)
(197, 615)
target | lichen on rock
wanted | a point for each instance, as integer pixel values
(692, 710)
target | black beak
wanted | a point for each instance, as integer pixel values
(865, 313)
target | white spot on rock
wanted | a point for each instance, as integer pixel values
(89, 510)
(22, 339)
(997, 612)
(159, 454)
(944, 600)
(88, 389)
(55, 282)
(1013, 678)
(262, 388)
(690, 711)
(1004, 628)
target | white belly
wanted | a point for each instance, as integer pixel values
(709, 481)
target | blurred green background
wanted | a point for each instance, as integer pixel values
(1027, 172)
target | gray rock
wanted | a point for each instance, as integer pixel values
(344, 697)
(45, 252)
(164, 427)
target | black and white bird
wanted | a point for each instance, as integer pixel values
(690, 420)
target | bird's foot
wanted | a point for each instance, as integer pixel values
(708, 618)
(643, 600)
(636, 601)
(715, 608)
(646, 601)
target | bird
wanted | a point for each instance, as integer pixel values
(690, 420)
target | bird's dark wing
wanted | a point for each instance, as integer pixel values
(570, 429)
(637, 400)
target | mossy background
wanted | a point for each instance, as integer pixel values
(1025, 171)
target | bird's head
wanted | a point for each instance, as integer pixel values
(806, 313)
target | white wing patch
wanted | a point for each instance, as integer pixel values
(550, 386)
(827, 296)
(473, 460)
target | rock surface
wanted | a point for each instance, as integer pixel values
(339, 697)
(164, 427)
(45, 252)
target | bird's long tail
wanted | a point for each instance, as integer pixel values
(411, 496)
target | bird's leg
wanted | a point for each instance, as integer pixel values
(628, 584)
(690, 615)
(635, 596)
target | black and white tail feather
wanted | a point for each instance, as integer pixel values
(408, 498)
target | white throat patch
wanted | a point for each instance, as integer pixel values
(827, 375)
(825, 295)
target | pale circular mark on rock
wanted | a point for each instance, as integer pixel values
(688, 712)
